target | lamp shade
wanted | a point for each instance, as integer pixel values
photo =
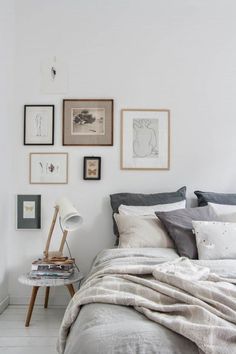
(70, 217)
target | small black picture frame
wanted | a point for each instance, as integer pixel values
(92, 168)
(28, 211)
(38, 124)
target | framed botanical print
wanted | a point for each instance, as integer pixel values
(92, 167)
(145, 139)
(87, 122)
(48, 168)
(38, 124)
(28, 212)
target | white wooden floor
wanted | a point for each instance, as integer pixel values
(39, 338)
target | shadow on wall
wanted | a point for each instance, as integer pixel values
(95, 235)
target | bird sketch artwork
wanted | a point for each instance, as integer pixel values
(88, 121)
(145, 138)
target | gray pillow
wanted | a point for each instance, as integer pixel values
(144, 199)
(178, 224)
(218, 198)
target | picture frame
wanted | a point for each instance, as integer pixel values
(88, 122)
(38, 124)
(48, 168)
(145, 139)
(92, 168)
(28, 212)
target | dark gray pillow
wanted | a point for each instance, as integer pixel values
(219, 198)
(144, 199)
(178, 224)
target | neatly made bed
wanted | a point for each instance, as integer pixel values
(131, 304)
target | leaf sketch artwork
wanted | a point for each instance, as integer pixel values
(145, 138)
(29, 210)
(87, 121)
(48, 168)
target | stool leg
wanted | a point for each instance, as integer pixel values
(71, 289)
(31, 305)
(46, 297)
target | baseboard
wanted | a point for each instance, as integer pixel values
(4, 303)
(53, 302)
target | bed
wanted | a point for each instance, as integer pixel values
(97, 327)
(153, 294)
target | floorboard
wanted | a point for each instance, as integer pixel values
(40, 337)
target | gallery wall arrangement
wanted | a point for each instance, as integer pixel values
(144, 145)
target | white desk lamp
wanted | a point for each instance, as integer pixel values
(69, 219)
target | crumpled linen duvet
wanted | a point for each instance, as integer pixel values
(196, 299)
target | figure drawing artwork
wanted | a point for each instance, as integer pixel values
(145, 138)
(39, 125)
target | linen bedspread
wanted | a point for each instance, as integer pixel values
(196, 299)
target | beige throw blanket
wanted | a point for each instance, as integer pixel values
(180, 295)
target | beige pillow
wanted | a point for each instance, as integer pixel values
(138, 232)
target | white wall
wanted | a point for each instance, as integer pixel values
(171, 54)
(6, 99)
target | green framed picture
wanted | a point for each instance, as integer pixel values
(28, 212)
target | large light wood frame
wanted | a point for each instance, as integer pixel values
(122, 139)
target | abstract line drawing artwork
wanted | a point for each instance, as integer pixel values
(145, 138)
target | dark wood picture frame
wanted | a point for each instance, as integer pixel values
(96, 176)
(52, 124)
(79, 137)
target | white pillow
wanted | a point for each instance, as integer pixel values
(150, 210)
(137, 232)
(225, 212)
(215, 240)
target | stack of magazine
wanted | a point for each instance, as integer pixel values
(60, 269)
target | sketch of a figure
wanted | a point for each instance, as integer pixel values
(40, 125)
(145, 138)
